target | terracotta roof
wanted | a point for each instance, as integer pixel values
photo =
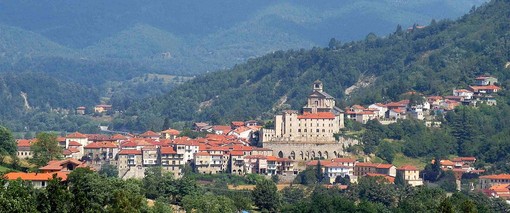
(76, 135)
(202, 154)
(74, 143)
(66, 152)
(168, 150)
(57, 165)
(488, 87)
(500, 188)
(119, 137)
(344, 160)
(336, 165)
(272, 158)
(171, 132)
(365, 164)
(496, 177)
(383, 166)
(99, 145)
(408, 168)
(24, 142)
(149, 134)
(284, 160)
(130, 152)
(319, 115)
(129, 144)
(237, 153)
(242, 129)
(464, 159)
(73, 150)
(387, 177)
(35, 176)
(237, 123)
(241, 148)
(358, 107)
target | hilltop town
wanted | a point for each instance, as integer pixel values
(295, 142)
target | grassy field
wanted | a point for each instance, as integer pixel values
(401, 160)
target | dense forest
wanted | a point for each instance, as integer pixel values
(433, 60)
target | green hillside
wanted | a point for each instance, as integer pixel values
(197, 36)
(433, 60)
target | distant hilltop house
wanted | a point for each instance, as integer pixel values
(310, 134)
(102, 108)
(80, 110)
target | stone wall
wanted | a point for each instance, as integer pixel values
(303, 151)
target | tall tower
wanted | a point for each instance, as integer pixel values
(317, 86)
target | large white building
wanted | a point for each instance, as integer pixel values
(320, 120)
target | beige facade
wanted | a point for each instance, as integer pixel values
(411, 175)
(320, 120)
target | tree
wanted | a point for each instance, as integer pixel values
(161, 207)
(445, 206)
(208, 203)
(7, 142)
(386, 152)
(55, 198)
(292, 195)
(265, 195)
(448, 181)
(17, 196)
(45, 149)
(109, 170)
(318, 172)
(399, 180)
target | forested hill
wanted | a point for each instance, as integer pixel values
(194, 36)
(433, 60)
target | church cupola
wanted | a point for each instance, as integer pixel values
(317, 86)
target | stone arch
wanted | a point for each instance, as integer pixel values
(302, 155)
(319, 154)
(292, 155)
(326, 155)
(280, 154)
(335, 154)
(312, 156)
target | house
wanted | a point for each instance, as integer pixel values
(464, 93)
(130, 164)
(203, 163)
(499, 191)
(381, 110)
(280, 166)
(242, 132)
(484, 89)
(199, 127)
(150, 135)
(487, 181)
(77, 138)
(410, 174)
(397, 113)
(256, 164)
(485, 80)
(251, 123)
(221, 130)
(102, 108)
(170, 134)
(171, 160)
(24, 150)
(388, 178)
(150, 156)
(236, 124)
(332, 170)
(80, 110)
(66, 165)
(38, 180)
(100, 152)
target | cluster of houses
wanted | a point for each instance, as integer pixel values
(424, 107)
(351, 168)
(225, 150)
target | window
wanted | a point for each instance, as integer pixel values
(317, 130)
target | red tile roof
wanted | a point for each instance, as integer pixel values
(496, 177)
(488, 87)
(130, 152)
(76, 135)
(387, 177)
(57, 165)
(408, 168)
(35, 176)
(74, 143)
(119, 137)
(202, 154)
(99, 145)
(236, 153)
(344, 160)
(149, 134)
(168, 150)
(319, 115)
(25, 143)
(237, 123)
(171, 132)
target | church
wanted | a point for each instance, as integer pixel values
(308, 134)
